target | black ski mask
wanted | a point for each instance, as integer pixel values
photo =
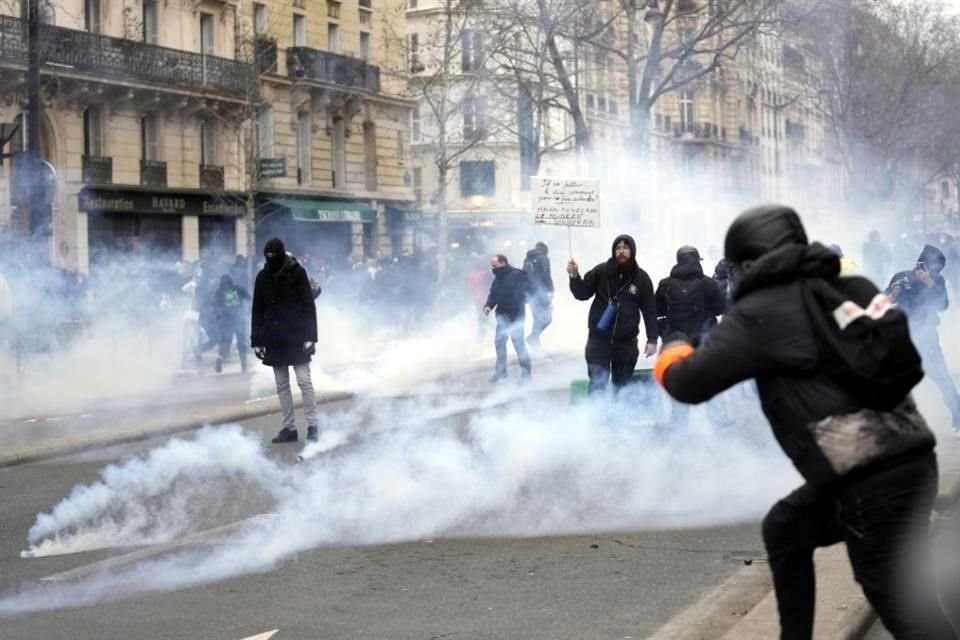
(275, 254)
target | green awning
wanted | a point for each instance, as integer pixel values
(413, 214)
(327, 210)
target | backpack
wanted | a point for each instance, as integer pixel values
(686, 304)
(863, 340)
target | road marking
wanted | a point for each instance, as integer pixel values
(263, 636)
(102, 566)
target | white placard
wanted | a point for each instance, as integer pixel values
(567, 202)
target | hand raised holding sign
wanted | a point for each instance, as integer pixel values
(573, 270)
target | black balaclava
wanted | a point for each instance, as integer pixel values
(277, 254)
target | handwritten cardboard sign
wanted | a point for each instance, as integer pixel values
(568, 202)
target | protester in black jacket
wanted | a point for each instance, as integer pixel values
(508, 296)
(922, 294)
(871, 474)
(622, 286)
(229, 301)
(284, 333)
(537, 266)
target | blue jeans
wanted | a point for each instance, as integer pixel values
(511, 329)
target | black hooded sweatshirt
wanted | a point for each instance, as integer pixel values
(702, 299)
(920, 302)
(631, 289)
(509, 291)
(768, 336)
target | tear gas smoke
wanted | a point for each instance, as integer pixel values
(512, 470)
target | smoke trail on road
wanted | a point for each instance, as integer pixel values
(513, 470)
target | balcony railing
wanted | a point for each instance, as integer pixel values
(122, 59)
(97, 170)
(211, 177)
(153, 173)
(266, 54)
(304, 63)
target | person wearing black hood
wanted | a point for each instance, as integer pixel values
(228, 303)
(688, 302)
(865, 453)
(922, 294)
(622, 292)
(284, 333)
(537, 266)
(508, 296)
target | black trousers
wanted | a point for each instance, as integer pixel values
(883, 517)
(608, 361)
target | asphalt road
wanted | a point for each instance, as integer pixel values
(617, 585)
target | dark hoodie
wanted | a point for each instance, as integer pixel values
(537, 266)
(284, 315)
(629, 287)
(768, 336)
(508, 293)
(689, 301)
(921, 303)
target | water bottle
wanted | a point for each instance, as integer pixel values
(607, 318)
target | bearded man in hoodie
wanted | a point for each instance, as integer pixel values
(283, 333)
(622, 293)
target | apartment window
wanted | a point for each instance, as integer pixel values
(208, 142)
(474, 118)
(264, 133)
(259, 18)
(92, 132)
(206, 34)
(411, 4)
(686, 112)
(945, 190)
(401, 145)
(339, 151)
(364, 17)
(45, 12)
(150, 137)
(471, 43)
(416, 125)
(304, 155)
(333, 37)
(414, 53)
(613, 107)
(333, 9)
(370, 155)
(364, 45)
(299, 30)
(418, 184)
(151, 21)
(602, 104)
(591, 102)
(91, 15)
(477, 178)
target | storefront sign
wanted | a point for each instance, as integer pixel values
(272, 167)
(169, 203)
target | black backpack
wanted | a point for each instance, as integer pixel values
(863, 339)
(686, 304)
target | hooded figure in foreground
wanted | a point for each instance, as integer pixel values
(834, 365)
(283, 333)
(622, 292)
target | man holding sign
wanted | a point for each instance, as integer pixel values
(622, 292)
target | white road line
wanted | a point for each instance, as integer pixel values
(263, 636)
(141, 554)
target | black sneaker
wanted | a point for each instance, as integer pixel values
(286, 435)
(312, 435)
(218, 366)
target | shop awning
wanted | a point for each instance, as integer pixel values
(413, 215)
(327, 210)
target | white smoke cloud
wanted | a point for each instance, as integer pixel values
(507, 470)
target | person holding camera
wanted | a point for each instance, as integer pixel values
(283, 333)
(922, 294)
(622, 292)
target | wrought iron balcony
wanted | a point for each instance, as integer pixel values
(153, 173)
(97, 170)
(304, 63)
(211, 177)
(118, 58)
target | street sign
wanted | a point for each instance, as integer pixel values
(272, 167)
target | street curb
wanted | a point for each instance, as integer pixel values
(159, 427)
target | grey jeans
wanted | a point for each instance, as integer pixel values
(282, 376)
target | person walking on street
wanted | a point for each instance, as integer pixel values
(922, 294)
(876, 258)
(537, 266)
(508, 297)
(283, 333)
(688, 302)
(842, 413)
(228, 303)
(622, 293)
